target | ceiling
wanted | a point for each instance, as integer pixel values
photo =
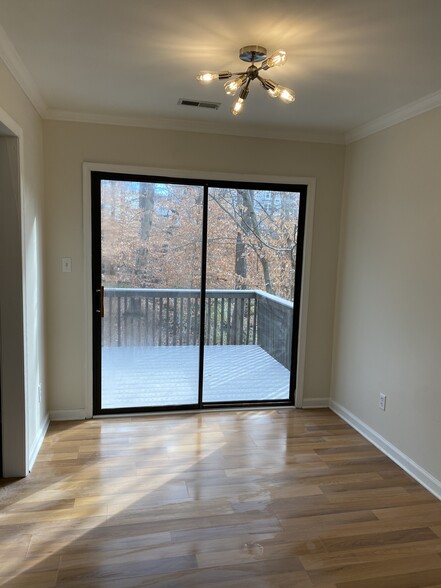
(349, 61)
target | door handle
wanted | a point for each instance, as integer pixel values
(100, 305)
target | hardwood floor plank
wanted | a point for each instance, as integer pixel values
(420, 579)
(45, 543)
(382, 553)
(31, 580)
(372, 571)
(121, 570)
(379, 539)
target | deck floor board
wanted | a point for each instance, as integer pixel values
(168, 376)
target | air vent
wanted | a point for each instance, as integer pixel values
(199, 103)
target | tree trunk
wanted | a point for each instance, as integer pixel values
(241, 263)
(146, 203)
(249, 221)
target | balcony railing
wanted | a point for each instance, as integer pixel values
(145, 317)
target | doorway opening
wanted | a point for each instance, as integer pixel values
(13, 452)
(196, 289)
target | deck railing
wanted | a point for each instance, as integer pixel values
(144, 316)
(274, 326)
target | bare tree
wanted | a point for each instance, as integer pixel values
(152, 237)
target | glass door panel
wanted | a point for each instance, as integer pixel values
(151, 238)
(250, 285)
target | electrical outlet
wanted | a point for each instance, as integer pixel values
(382, 402)
(39, 393)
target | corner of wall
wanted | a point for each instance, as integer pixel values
(421, 475)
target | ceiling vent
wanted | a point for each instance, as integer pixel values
(199, 103)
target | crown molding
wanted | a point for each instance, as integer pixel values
(20, 72)
(395, 117)
(195, 126)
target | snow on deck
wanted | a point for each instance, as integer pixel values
(165, 376)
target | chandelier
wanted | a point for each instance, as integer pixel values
(251, 54)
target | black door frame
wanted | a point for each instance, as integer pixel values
(96, 178)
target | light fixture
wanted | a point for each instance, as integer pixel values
(251, 54)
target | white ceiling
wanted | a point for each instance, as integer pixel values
(349, 61)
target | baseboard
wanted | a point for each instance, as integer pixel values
(33, 452)
(68, 415)
(315, 403)
(421, 475)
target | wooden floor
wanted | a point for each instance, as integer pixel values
(280, 498)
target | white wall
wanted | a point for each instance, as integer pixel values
(68, 145)
(388, 312)
(17, 111)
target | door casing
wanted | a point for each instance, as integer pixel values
(89, 167)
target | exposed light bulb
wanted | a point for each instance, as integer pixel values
(237, 106)
(274, 93)
(286, 95)
(205, 77)
(277, 58)
(233, 86)
(271, 87)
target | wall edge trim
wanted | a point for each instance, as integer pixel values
(195, 126)
(395, 117)
(36, 446)
(21, 74)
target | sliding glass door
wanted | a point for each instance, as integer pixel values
(196, 290)
(251, 267)
(150, 289)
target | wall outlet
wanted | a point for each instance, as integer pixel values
(39, 393)
(382, 402)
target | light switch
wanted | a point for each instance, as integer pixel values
(66, 264)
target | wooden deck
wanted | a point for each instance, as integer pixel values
(166, 376)
(239, 499)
